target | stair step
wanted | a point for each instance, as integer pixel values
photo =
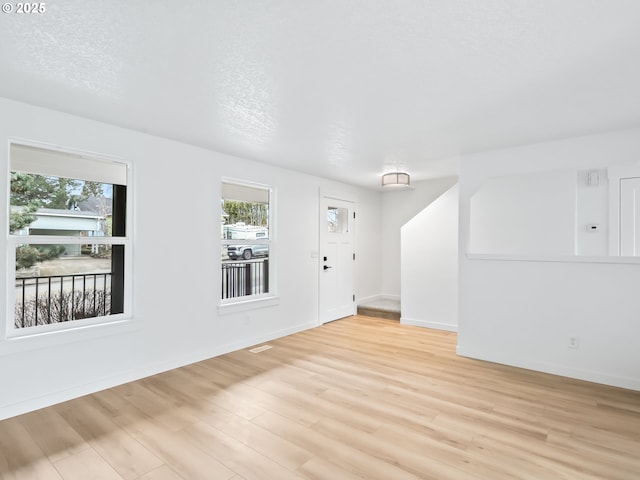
(378, 312)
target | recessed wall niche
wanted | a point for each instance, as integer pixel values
(558, 213)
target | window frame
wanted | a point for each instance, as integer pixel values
(240, 303)
(13, 240)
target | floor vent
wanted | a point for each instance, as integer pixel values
(260, 349)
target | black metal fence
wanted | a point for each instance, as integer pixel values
(245, 278)
(61, 298)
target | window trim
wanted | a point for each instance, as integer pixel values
(248, 302)
(9, 332)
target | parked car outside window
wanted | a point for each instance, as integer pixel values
(247, 252)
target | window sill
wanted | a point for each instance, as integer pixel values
(80, 333)
(553, 258)
(250, 304)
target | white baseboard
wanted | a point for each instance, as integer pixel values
(426, 324)
(375, 298)
(370, 298)
(552, 368)
(390, 297)
(31, 404)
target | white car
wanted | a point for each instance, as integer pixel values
(247, 252)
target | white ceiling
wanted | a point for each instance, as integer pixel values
(345, 89)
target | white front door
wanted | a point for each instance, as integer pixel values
(630, 216)
(337, 259)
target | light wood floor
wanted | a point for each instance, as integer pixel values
(357, 398)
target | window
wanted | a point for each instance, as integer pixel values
(67, 239)
(337, 221)
(246, 241)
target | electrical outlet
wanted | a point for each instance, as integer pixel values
(574, 341)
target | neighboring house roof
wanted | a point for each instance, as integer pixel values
(59, 212)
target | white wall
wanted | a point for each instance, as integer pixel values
(398, 207)
(532, 214)
(429, 248)
(176, 280)
(521, 312)
(368, 244)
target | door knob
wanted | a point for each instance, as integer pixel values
(325, 267)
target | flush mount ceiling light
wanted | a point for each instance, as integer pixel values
(396, 179)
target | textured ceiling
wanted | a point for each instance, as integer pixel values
(346, 89)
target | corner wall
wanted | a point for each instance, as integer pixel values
(429, 248)
(398, 207)
(521, 311)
